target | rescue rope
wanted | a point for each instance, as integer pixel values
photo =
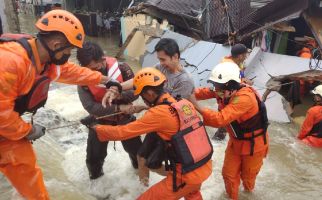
(110, 115)
(277, 85)
(78, 122)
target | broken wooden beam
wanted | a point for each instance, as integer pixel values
(147, 30)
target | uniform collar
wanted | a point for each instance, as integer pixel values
(165, 96)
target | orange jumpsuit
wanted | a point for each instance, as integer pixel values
(164, 121)
(238, 163)
(304, 53)
(17, 75)
(313, 116)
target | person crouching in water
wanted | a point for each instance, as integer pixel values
(188, 150)
(244, 116)
(91, 56)
(311, 131)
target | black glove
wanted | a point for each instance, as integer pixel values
(88, 121)
(113, 82)
(36, 132)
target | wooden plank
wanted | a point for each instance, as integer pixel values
(126, 43)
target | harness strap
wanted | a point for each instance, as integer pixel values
(252, 144)
(170, 165)
(175, 187)
(252, 140)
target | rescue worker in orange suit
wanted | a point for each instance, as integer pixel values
(306, 52)
(27, 68)
(92, 56)
(238, 55)
(311, 131)
(244, 117)
(163, 119)
(179, 83)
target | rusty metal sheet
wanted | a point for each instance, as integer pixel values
(315, 23)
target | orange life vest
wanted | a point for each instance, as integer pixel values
(114, 72)
(190, 146)
(256, 122)
(38, 94)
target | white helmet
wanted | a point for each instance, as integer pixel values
(317, 90)
(224, 72)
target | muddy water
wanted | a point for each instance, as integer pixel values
(291, 170)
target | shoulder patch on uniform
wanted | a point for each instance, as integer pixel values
(235, 100)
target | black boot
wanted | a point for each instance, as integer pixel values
(134, 161)
(95, 170)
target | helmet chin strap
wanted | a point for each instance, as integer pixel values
(51, 53)
(154, 103)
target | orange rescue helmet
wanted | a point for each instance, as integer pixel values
(64, 22)
(148, 76)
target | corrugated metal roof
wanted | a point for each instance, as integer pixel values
(208, 17)
(259, 3)
(272, 13)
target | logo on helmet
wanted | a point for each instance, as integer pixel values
(220, 76)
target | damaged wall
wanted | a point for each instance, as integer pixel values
(136, 47)
(262, 66)
(9, 16)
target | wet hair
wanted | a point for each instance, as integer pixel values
(230, 85)
(157, 89)
(238, 49)
(90, 52)
(169, 46)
